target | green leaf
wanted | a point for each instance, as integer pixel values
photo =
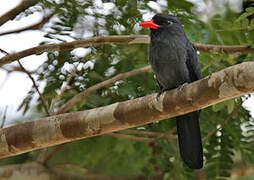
(250, 10)
(217, 107)
(231, 105)
(252, 24)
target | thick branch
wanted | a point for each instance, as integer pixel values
(129, 39)
(17, 10)
(220, 86)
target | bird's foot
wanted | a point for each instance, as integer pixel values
(159, 93)
(181, 87)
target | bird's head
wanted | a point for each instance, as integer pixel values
(163, 21)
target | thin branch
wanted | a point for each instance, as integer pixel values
(46, 154)
(31, 27)
(223, 49)
(63, 90)
(129, 39)
(13, 68)
(17, 10)
(36, 88)
(73, 166)
(135, 138)
(223, 123)
(148, 133)
(166, 135)
(220, 86)
(4, 117)
(92, 89)
(3, 51)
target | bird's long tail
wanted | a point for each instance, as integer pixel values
(189, 139)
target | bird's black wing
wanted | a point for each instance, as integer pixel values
(193, 63)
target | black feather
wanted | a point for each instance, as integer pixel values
(174, 61)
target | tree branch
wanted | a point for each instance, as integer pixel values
(128, 39)
(125, 136)
(63, 90)
(220, 86)
(17, 10)
(81, 96)
(36, 88)
(46, 154)
(223, 123)
(31, 27)
(147, 133)
(94, 88)
(4, 117)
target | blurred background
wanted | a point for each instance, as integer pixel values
(227, 127)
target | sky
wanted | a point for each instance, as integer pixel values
(14, 86)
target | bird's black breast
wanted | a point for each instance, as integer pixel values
(168, 59)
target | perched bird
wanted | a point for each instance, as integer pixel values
(175, 62)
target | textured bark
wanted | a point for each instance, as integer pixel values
(220, 86)
(129, 39)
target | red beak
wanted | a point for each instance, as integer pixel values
(149, 24)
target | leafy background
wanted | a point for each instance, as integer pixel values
(229, 147)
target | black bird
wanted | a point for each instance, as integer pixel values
(175, 62)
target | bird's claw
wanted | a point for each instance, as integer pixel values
(181, 87)
(158, 95)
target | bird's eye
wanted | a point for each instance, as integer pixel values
(170, 22)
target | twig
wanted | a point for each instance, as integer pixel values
(36, 88)
(148, 133)
(92, 89)
(73, 166)
(166, 135)
(63, 90)
(4, 117)
(15, 11)
(3, 51)
(46, 154)
(156, 134)
(31, 27)
(128, 39)
(223, 49)
(223, 123)
(135, 138)
(10, 69)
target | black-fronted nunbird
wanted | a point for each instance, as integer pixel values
(175, 62)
